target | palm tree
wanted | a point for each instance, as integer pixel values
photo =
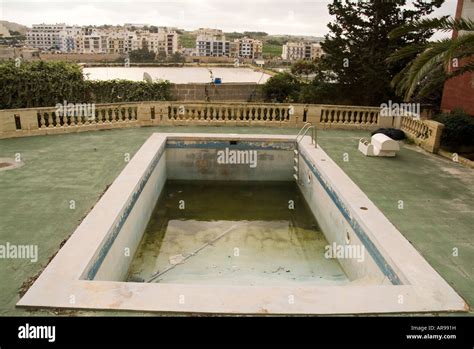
(435, 61)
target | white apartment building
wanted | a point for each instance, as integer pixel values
(67, 38)
(212, 43)
(91, 40)
(120, 40)
(301, 50)
(52, 37)
(246, 48)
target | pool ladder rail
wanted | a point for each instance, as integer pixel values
(303, 131)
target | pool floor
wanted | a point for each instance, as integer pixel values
(234, 234)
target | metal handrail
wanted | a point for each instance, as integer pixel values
(315, 136)
(304, 134)
(306, 128)
(302, 129)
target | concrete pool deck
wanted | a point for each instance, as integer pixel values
(436, 216)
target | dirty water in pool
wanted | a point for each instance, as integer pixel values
(234, 234)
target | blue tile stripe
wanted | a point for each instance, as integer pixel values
(94, 268)
(241, 145)
(366, 241)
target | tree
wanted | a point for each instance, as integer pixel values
(161, 57)
(304, 67)
(436, 61)
(252, 34)
(320, 92)
(282, 87)
(177, 58)
(142, 55)
(358, 45)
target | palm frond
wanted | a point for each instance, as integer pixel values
(406, 52)
(399, 81)
(424, 63)
(442, 24)
(462, 46)
(433, 82)
(467, 67)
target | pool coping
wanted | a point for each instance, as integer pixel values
(60, 285)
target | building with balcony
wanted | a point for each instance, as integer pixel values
(246, 48)
(118, 40)
(47, 37)
(212, 43)
(301, 50)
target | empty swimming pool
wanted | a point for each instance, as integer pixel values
(250, 224)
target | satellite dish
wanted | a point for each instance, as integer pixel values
(147, 77)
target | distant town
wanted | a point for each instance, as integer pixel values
(161, 41)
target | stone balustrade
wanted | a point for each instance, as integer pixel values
(102, 115)
(425, 133)
(340, 116)
(41, 121)
(236, 113)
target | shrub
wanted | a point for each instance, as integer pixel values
(282, 87)
(39, 84)
(458, 133)
(110, 91)
(44, 84)
(285, 87)
(318, 92)
(142, 56)
(304, 68)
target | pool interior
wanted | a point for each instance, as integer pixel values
(234, 233)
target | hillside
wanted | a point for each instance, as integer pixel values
(15, 27)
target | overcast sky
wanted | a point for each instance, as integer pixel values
(271, 16)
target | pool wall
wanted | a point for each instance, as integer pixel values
(322, 192)
(196, 160)
(113, 258)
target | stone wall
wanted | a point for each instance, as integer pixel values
(80, 57)
(211, 60)
(459, 93)
(240, 92)
(424, 133)
(7, 53)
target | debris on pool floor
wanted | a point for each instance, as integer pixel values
(236, 234)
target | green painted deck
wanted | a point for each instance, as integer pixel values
(428, 198)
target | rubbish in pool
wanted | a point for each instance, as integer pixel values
(234, 233)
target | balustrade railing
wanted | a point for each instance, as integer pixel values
(37, 121)
(241, 112)
(348, 115)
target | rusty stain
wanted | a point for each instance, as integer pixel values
(202, 166)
